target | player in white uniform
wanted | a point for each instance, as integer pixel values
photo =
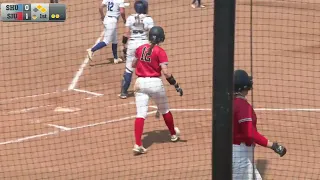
(115, 8)
(137, 28)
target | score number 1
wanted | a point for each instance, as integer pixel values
(27, 12)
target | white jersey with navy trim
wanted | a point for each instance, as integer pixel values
(113, 7)
(139, 25)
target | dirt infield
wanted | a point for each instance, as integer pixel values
(62, 119)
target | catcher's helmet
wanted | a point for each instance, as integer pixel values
(242, 81)
(141, 7)
(156, 35)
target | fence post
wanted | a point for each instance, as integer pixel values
(222, 106)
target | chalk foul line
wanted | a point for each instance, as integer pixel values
(60, 127)
(256, 109)
(63, 128)
(88, 92)
(29, 137)
(82, 66)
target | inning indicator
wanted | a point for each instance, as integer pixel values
(12, 12)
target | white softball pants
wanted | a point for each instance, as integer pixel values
(110, 30)
(242, 163)
(131, 50)
(146, 88)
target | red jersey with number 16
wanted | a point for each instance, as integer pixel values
(149, 65)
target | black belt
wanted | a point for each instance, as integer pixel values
(137, 32)
(131, 39)
(112, 17)
(149, 77)
(248, 145)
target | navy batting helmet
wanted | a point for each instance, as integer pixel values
(156, 34)
(242, 81)
(141, 7)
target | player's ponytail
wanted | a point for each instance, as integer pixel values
(151, 47)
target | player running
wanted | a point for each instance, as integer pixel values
(115, 8)
(245, 134)
(137, 27)
(150, 60)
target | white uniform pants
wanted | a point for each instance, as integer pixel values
(242, 163)
(146, 88)
(132, 46)
(110, 30)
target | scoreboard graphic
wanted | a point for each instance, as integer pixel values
(42, 12)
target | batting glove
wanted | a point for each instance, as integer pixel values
(178, 89)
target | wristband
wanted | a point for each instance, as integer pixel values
(171, 80)
(124, 39)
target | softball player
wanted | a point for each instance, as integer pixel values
(150, 60)
(137, 27)
(245, 134)
(115, 8)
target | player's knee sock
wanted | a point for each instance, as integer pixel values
(126, 81)
(98, 46)
(138, 130)
(115, 51)
(168, 119)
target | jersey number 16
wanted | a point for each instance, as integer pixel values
(145, 56)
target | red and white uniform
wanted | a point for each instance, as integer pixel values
(149, 82)
(245, 136)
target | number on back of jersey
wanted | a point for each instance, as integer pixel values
(138, 22)
(145, 56)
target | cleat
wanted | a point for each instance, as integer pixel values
(90, 54)
(139, 149)
(116, 61)
(123, 96)
(176, 137)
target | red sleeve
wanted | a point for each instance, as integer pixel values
(163, 58)
(247, 127)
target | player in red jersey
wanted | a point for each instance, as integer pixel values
(245, 134)
(150, 60)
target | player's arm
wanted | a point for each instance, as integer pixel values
(122, 11)
(101, 7)
(163, 60)
(134, 62)
(250, 132)
(126, 34)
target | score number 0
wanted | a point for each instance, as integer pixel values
(26, 7)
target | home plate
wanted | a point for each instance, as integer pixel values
(62, 109)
